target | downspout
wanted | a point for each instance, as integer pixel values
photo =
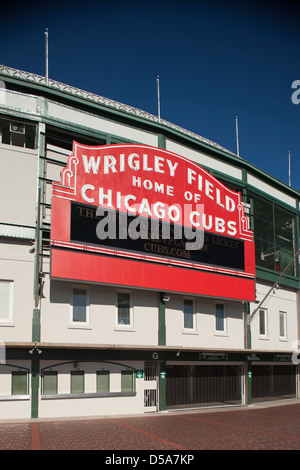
(162, 342)
(36, 321)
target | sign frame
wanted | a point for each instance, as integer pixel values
(84, 177)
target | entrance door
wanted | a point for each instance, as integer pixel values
(151, 388)
(203, 385)
(273, 382)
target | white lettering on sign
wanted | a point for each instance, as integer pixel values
(197, 218)
(84, 189)
(210, 191)
(109, 164)
(159, 186)
(91, 164)
(148, 184)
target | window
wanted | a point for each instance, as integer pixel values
(151, 371)
(282, 325)
(77, 381)
(102, 381)
(284, 240)
(274, 233)
(188, 314)
(124, 316)
(79, 306)
(50, 383)
(19, 383)
(263, 322)
(6, 294)
(264, 232)
(64, 139)
(19, 133)
(220, 318)
(127, 383)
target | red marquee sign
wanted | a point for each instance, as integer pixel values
(135, 215)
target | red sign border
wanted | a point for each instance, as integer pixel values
(65, 191)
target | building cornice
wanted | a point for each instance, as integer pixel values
(56, 87)
(106, 102)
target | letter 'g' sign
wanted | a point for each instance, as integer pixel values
(140, 216)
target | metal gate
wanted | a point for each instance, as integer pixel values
(150, 391)
(273, 382)
(203, 385)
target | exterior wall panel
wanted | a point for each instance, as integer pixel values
(204, 335)
(205, 160)
(63, 113)
(90, 403)
(280, 300)
(102, 327)
(18, 180)
(270, 191)
(17, 265)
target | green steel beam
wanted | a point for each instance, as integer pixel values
(162, 386)
(162, 321)
(35, 378)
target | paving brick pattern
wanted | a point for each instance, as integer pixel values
(253, 428)
(15, 436)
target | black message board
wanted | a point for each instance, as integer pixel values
(153, 237)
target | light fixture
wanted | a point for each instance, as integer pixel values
(32, 248)
(166, 298)
(35, 348)
(275, 288)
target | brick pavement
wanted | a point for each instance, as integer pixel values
(252, 428)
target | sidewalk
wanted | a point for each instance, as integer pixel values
(272, 427)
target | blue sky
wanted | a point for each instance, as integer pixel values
(216, 60)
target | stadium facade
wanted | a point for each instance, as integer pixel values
(143, 268)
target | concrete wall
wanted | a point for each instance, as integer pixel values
(284, 300)
(17, 265)
(204, 334)
(102, 327)
(18, 183)
(64, 404)
(13, 407)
